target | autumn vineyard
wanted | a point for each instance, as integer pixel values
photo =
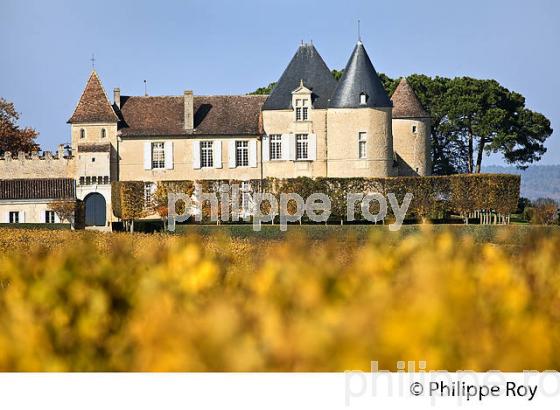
(460, 297)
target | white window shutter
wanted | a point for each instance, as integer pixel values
(253, 153)
(285, 146)
(147, 155)
(266, 148)
(168, 150)
(231, 153)
(196, 154)
(217, 153)
(22, 217)
(7, 217)
(312, 148)
(292, 138)
(56, 219)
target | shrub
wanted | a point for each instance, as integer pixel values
(128, 201)
(65, 210)
(543, 212)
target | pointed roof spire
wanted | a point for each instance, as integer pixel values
(359, 32)
(93, 106)
(406, 103)
(359, 78)
(307, 66)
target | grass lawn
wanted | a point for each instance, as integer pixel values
(506, 234)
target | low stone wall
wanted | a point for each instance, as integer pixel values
(28, 166)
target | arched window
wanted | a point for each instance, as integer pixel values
(103, 132)
(82, 133)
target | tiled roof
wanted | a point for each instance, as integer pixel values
(94, 106)
(406, 103)
(213, 115)
(359, 77)
(48, 188)
(306, 65)
(94, 148)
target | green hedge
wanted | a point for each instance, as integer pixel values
(433, 196)
(127, 199)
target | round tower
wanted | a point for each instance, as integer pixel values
(412, 131)
(360, 141)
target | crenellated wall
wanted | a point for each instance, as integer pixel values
(27, 166)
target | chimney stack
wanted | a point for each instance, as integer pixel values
(189, 108)
(117, 97)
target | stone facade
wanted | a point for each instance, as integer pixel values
(28, 166)
(29, 211)
(344, 129)
(309, 126)
(412, 143)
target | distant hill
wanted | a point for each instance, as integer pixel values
(537, 181)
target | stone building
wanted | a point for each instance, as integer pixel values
(310, 125)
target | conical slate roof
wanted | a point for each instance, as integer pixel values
(406, 103)
(359, 77)
(94, 106)
(306, 65)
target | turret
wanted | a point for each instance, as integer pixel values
(94, 142)
(360, 142)
(411, 132)
(94, 120)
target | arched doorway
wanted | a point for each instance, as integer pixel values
(96, 210)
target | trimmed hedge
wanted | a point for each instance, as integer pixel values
(127, 199)
(467, 195)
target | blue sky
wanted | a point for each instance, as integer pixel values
(233, 47)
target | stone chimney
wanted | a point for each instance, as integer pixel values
(117, 97)
(189, 111)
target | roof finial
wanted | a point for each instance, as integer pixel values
(359, 32)
(92, 59)
(145, 88)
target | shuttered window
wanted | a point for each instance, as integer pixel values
(158, 155)
(14, 217)
(242, 153)
(206, 154)
(302, 146)
(275, 147)
(49, 217)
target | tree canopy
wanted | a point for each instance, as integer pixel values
(13, 138)
(472, 118)
(264, 90)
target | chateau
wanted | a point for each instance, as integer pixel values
(310, 125)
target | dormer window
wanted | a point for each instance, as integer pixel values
(82, 133)
(298, 110)
(302, 110)
(103, 132)
(363, 98)
(301, 101)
